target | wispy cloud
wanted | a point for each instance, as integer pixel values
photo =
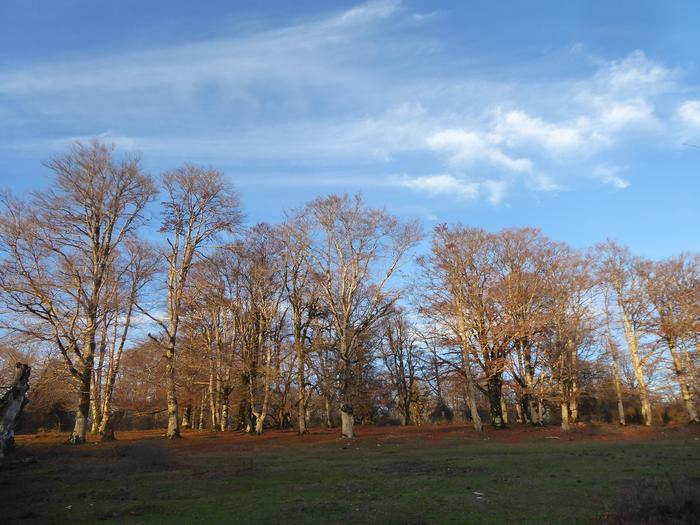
(610, 175)
(329, 92)
(689, 112)
(450, 186)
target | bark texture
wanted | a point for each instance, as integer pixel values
(11, 405)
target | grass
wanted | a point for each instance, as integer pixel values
(387, 476)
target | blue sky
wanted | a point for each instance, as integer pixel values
(569, 116)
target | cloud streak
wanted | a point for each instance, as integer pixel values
(331, 93)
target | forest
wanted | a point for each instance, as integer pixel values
(145, 302)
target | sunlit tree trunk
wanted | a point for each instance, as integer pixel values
(681, 376)
(633, 348)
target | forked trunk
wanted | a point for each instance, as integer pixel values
(633, 348)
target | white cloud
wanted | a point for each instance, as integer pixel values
(330, 92)
(311, 51)
(495, 190)
(689, 112)
(634, 73)
(617, 114)
(609, 175)
(368, 12)
(518, 128)
(443, 184)
(446, 185)
(467, 147)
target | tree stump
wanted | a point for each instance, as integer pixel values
(11, 405)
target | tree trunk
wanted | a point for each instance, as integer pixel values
(504, 408)
(565, 416)
(531, 412)
(519, 411)
(473, 408)
(301, 380)
(494, 387)
(686, 394)
(95, 406)
(224, 415)
(11, 405)
(171, 394)
(213, 409)
(327, 412)
(202, 405)
(406, 417)
(106, 427)
(82, 413)
(633, 348)
(186, 416)
(347, 420)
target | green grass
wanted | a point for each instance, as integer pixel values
(381, 480)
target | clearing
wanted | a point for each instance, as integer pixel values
(429, 474)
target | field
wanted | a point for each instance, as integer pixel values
(434, 474)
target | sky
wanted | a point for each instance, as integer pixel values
(580, 118)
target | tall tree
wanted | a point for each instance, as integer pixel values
(59, 248)
(400, 354)
(302, 294)
(620, 271)
(199, 207)
(354, 252)
(672, 287)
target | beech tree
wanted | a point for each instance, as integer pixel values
(400, 355)
(60, 247)
(620, 271)
(671, 286)
(303, 295)
(354, 251)
(199, 207)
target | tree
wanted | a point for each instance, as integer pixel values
(400, 355)
(619, 270)
(458, 277)
(303, 295)
(354, 251)
(671, 286)
(199, 207)
(60, 247)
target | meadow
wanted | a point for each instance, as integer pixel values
(430, 474)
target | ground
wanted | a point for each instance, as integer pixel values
(430, 474)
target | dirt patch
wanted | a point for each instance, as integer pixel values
(366, 436)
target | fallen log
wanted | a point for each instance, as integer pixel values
(11, 405)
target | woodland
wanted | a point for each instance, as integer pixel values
(144, 302)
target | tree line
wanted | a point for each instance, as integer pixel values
(331, 317)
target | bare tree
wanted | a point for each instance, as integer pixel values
(400, 355)
(672, 286)
(60, 247)
(354, 252)
(619, 270)
(199, 207)
(136, 267)
(303, 295)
